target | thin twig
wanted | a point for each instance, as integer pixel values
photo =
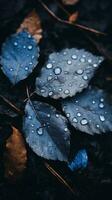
(11, 105)
(68, 22)
(59, 177)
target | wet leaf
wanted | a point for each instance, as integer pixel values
(46, 131)
(15, 155)
(66, 73)
(90, 111)
(19, 56)
(32, 24)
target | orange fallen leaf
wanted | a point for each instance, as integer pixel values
(32, 24)
(73, 17)
(70, 2)
(15, 156)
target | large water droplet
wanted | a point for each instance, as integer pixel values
(57, 70)
(84, 121)
(79, 71)
(40, 131)
(74, 57)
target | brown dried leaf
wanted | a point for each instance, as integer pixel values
(73, 17)
(70, 2)
(15, 155)
(32, 24)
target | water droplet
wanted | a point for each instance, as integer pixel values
(49, 78)
(81, 85)
(32, 125)
(24, 47)
(101, 105)
(42, 91)
(84, 121)
(33, 57)
(97, 126)
(29, 36)
(57, 70)
(49, 66)
(93, 102)
(85, 77)
(66, 91)
(79, 114)
(95, 65)
(68, 114)
(64, 53)
(102, 118)
(89, 60)
(48, 115)
(60, 89)
(74, 57)
(30, 47)
(65, 129)
(11, 69)
(15, 43)
(40, 131)
(69, 62)
(50, 93)
(82, 60)
(32, 131)
(29, 117)
(102, 100)
(75, 120)
(57, 115)
(79, 71)
(30, 63)
(26, 68)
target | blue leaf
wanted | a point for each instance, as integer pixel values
(80, 161)
(90, 111)
(19, 56)
(46, 131)
(66, 73)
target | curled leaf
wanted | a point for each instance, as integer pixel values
(15, 155)
(46, 131)
(90, 111)
(66, 73)
(32, 24)
(19, 56)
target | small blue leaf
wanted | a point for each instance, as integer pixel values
(19, 56)
(90, 111)
(80, 161)
(66, 73)
(46, 131)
